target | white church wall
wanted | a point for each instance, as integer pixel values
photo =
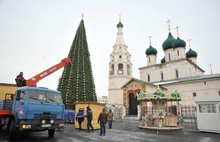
(169, 55)
(183, 67)
(115, 93)
(189, 90)
(115, 96)
(151, 60)
(181, 51)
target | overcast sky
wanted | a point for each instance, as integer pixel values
(36, 34)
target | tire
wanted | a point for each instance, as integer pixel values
(12, 131)
(51, 132)
(0, 123)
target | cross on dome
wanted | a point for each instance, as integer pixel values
(150, 39)
(189, 40)
(177, 31)
(168, 21)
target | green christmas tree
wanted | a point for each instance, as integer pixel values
(77, 83)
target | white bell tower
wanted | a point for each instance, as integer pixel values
(120, 68)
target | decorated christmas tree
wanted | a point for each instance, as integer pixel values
(77, 83)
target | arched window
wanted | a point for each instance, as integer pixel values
(177, 73)
(128, 70)
(161, 75)
(120, 56)
(169, 57)
(120, 68)
(112, 70)
(148, 78)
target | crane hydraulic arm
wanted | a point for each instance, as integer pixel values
(33, 81)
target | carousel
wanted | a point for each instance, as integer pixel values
(160, 110)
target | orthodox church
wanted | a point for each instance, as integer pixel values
(120, 68)
(177, 71)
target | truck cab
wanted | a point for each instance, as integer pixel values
(36, 109)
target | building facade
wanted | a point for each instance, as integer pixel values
(7, 88)
(102, 99)
(130, 93)
(120, 68)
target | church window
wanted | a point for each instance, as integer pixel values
(219, 94)
(119, 56)
(161, 75)
(178, 53)
(148, 78)
(120, 68)
(204, 82)
(149, 59)
(194, 94)
(169, 56)
(177, 73)
(128, 70)
(112, 70)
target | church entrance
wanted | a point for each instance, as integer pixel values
(133, 104)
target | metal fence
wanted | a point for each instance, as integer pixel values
(119, 111)
(188, 111)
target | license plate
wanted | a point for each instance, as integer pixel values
(46, 125)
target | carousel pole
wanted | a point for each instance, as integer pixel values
(157, 113)
(152, 108)
(145, 109)
(140, 108)
(177, 111)
(171, 109)
(166, 106)
(146, 113)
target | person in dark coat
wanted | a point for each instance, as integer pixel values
(89, 117)
(110, 117)
(102, 120)
(80, 118)
(20, 81)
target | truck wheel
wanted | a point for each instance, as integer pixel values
(51, 132)
(0, 124)
(12, 131)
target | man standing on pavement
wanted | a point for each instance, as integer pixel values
(89, 119)
(80, 118)
(102, 121)
(110, 116)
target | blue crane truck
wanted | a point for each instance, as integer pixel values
(32, 109)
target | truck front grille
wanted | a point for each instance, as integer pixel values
(45, 115)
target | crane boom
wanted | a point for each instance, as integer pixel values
(33, 80)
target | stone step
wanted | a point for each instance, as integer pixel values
(131, 117)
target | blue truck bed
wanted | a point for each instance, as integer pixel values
(6, 104)
(1, 104)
